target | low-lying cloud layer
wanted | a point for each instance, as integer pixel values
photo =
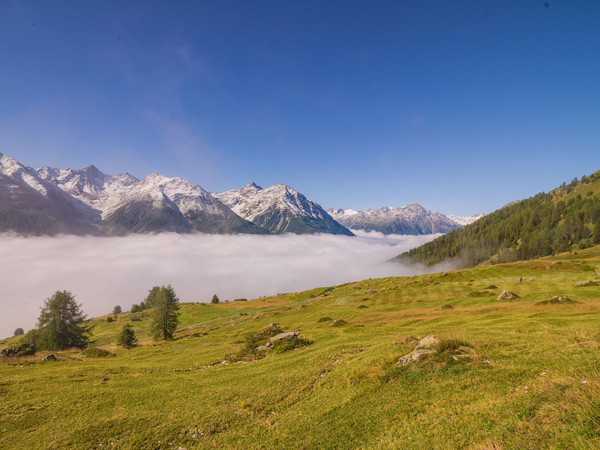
(104, 272)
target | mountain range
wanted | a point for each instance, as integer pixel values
(410, 219)
(49, 200)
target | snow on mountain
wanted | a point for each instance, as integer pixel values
(155, 203)
(34, 206)
(280, 209)
(51, 200)
(410, 219)
(89, 185)
(465, 220)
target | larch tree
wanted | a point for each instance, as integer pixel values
(166, 313)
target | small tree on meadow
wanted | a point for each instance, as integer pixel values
(117, 310)
(19, 332)
(215, 299)
(166, 313)
(61, 323)
(127, 337)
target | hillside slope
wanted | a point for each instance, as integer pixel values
(567, 218)
(508, 374)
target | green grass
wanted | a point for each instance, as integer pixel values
(524, 376)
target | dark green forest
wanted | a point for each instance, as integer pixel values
(566, 219)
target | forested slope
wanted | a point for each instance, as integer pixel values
(566, 218)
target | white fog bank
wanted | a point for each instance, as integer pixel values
(104, 272)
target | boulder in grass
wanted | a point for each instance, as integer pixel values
(586, 283)
(508, 295)
(370, 291)
(285, 336)
(424, 347)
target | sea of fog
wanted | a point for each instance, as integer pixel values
(106, 271)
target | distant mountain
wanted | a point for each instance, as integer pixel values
(565, 219)
(31, 205)
(281, 209)
(154, 204)
(410, 219)
(465, 220)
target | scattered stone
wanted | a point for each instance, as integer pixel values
(338, 323)
(508, 295)
(285, 336)
(586, 283)
(446, 306)
(50, 358)
(370, 291)
(424, 347)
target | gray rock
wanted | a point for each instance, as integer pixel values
(507, 295)
(262, 348)
(50, 358)
(424, 347)
(586, 283)
(285, 336)
(370, 291)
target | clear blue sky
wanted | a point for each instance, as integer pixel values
(461, 106)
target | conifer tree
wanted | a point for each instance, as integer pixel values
(166, 313)
(127, 337)
(61, 323)
(215, 299)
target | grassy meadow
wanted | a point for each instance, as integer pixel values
(531, 378)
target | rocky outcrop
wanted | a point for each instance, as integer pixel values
(508, 295)
(586, 283)
(424, 347)
(285, 336)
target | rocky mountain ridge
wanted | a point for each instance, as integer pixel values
(410, 219)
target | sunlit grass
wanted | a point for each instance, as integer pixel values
(530, 380)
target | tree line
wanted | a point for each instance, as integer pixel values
(62, 324)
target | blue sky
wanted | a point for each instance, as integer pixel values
(461, 106)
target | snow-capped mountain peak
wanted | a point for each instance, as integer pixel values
(280, 208)
(465, 220)
(409, 219)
